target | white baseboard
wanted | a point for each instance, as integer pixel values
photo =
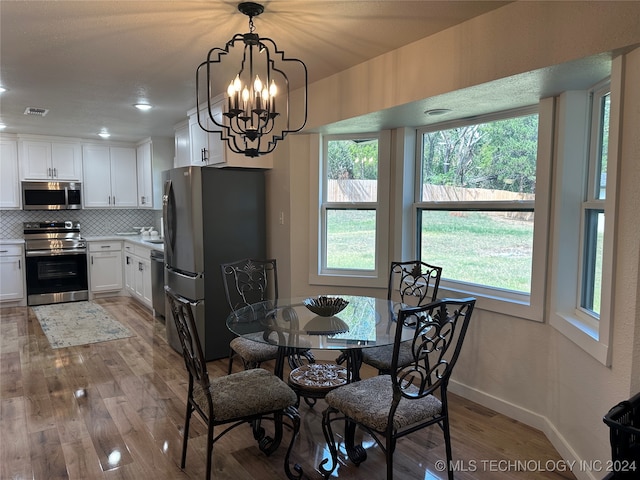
(531, 419)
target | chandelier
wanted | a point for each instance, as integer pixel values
(255, 112)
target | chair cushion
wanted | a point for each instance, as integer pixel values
(254, 351)
(368, 402)
(380, 357)
(246, 393)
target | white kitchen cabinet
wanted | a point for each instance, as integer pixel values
(209, 149)
(182, 146)
(137, 264)
(142, 282)
(105, 266)
(145, 179)
(110, 177)
(50, 160)
(12, 278)
(9, 174)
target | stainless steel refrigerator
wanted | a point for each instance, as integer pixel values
(211, 216)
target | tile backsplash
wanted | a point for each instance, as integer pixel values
(92, 222)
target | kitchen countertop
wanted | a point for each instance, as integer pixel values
(137, 239)
(12, 241)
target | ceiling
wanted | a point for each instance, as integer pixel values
(89, 61)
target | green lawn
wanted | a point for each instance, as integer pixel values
(475, 247)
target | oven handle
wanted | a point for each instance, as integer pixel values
(51, 253)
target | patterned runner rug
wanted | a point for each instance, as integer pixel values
(78, 323)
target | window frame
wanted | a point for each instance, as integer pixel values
(567, 316)
(319, 273)
(528, 306)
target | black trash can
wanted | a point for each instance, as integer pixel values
(624, 425)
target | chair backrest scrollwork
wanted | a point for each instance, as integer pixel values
(440, 328)
(250, 281)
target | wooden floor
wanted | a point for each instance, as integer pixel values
(115, 410)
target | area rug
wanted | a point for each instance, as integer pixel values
(78, 323)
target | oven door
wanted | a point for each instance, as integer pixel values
(56, 278)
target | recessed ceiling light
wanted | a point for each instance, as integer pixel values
(104, 134)
(2, 126)
(437, 111)
(143, 106)
(2, 89)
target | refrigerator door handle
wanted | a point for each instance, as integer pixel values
(168, 213)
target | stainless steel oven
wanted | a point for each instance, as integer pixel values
(56, 262)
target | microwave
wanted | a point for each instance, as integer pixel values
(51, 196)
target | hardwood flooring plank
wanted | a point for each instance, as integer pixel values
(15, 453)
(39, 413)
(150, 455)
(81, 459)
(111, 448)
(10, 375)
(47, 456)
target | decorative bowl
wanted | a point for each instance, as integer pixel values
(325, 306)
(326, 326)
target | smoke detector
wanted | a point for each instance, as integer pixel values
(36, 111)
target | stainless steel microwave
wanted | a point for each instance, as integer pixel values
(51, 196)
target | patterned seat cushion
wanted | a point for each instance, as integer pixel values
(380, 357)
(369, 401)
(246, 393)
(254, 350)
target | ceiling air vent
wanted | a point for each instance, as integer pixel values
(38, 112)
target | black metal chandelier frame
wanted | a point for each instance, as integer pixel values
(248, 121)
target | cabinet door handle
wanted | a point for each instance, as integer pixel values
(139, 266)
(203, 154)
(105, 246)
(19, 264)
(55, 173)
(49, 173)
(4, 251)
(91, 259)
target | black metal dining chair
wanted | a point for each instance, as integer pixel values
(411, 283)
(389, 407)
(250, 281)
(250, 396)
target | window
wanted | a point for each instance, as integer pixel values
(476, 203)
(582, 250)
(593, 208)
(353, 217)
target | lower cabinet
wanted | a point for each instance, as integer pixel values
(105, 266)
(12, 278)
(137, 273)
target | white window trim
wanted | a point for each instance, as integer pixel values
(376, 278)
(565, 314)
(527, 306)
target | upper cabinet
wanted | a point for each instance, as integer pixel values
(9, 176)
(50, 160)
(110, 176)
(145, 179)
(182, 146)
(209, 148)
(154, 156)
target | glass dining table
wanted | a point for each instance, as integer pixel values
(365, 322)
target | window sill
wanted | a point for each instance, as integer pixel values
(495, 300)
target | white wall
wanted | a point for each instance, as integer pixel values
(525, 369)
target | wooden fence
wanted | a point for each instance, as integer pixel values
(347, 191)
